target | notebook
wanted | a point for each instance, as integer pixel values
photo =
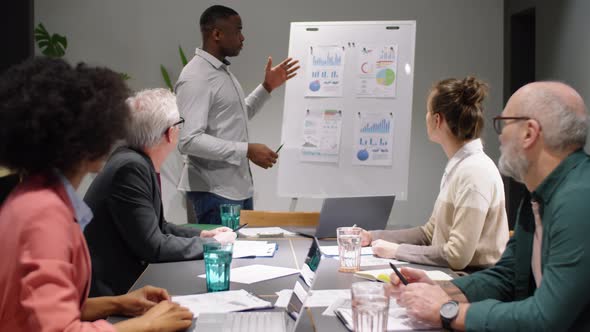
(383, 275)
(279, 321)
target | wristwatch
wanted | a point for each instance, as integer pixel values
(448, 313)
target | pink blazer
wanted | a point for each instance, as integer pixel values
(45, 265)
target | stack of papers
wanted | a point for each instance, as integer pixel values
(221, 302)
(265, 232)
(333, 250)
(253, 249)
(255, 273)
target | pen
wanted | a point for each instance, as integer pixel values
(240, 227)
(399, 274)
(279, 149)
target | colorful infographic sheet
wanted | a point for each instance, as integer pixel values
(324, 71)
(321, 135)
(376, 71)
(373, 135)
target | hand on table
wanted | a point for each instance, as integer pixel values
(163, 317)
(384, 249)
(395, 286)
(225, 237)
(423, 302)
(366, 238)
(213, 232)
(139, 301)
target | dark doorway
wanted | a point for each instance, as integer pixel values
(521, 72)
(16, 21)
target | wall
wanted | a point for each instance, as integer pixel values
(562, 46)
(454, 38)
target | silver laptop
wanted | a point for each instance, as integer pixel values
(370, 213)
(271, 321)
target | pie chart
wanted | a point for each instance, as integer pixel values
(385, 77)
(362, 155)
(314, 86)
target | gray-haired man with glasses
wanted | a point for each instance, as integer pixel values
(128, 230)
(541, 281)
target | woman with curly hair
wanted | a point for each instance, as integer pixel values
(58, 124)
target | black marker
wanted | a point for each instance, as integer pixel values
(399, 274)
(279, 149)
(240, 227)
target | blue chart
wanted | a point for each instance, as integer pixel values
(387, 53)
(328, 60)
(324, 74)
(381, 127)
(373, 141)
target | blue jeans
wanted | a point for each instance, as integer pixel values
(206, 206)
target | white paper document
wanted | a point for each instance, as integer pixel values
(321, 136)
(376, 71)
(265, 232)
(333, 250)
(284, 297)
(254, 249)
(220, 302)
(324, 69)
(397, 320)
(373, 138)
(325, 297)
(257, 272)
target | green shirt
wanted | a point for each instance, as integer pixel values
(505, 298)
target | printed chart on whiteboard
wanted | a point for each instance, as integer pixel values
(373, 144)
(324, 71)
(321, 135)
(376, 71)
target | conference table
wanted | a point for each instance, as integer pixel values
(180, 278)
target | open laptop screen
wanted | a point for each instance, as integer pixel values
(305, 281)
(370, 213)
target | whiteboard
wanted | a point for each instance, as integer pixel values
(341, 175)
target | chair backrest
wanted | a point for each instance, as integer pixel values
(276, 218)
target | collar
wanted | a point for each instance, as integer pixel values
(81, 210)
(465, 151)
(545, 190)
(211, 59)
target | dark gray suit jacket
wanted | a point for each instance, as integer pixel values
(128, 230)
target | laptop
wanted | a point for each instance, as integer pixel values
(370, 213)
(271, 321)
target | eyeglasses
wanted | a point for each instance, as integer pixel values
(499, 123)
(179, 123)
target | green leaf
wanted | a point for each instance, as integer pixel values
(40, 29)
(166, 78)
(182, 56)
(125, 76)
(51, 45)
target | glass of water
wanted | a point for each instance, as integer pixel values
(230, 215)
(370, 306)
(349, 248)
(218, 259)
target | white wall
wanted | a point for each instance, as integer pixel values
(454, 38)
